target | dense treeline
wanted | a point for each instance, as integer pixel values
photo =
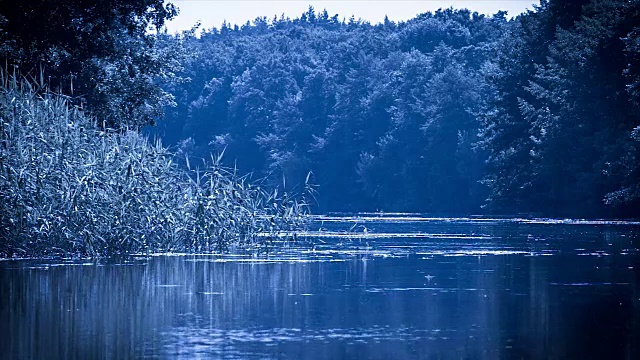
(563, 131)
(449, 112)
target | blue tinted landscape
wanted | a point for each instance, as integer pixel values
(456, 185)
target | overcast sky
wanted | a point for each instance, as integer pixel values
(213, 12)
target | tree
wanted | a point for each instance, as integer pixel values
(558, 133)
(99, 52)
(583, 115)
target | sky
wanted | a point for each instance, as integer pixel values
(213, 12)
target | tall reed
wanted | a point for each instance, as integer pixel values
(69, 187)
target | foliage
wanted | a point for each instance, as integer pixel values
(569, 148)
(71, 187)
(449, 112)
(367, 109)
(102, 53)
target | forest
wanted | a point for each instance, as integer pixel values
(117, 137)
(451, 112)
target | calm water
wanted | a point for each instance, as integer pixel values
(394, 287)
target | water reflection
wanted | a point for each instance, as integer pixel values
(488, 295)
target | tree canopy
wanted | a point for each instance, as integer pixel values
(101, 53)
(449, 112)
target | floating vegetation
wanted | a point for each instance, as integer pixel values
(71, 187)
(409, 218)
(371, 235)
(591, 284)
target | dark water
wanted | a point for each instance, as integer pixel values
(406, 287)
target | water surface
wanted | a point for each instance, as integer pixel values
(368, 286)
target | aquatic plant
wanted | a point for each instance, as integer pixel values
(69, 187)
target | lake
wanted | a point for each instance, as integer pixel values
(369, 286)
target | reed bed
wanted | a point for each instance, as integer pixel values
(69, 187)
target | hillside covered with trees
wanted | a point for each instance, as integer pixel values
(451, 112)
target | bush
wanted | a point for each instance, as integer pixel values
(69, 187)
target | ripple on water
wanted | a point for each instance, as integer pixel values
(233, 342)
